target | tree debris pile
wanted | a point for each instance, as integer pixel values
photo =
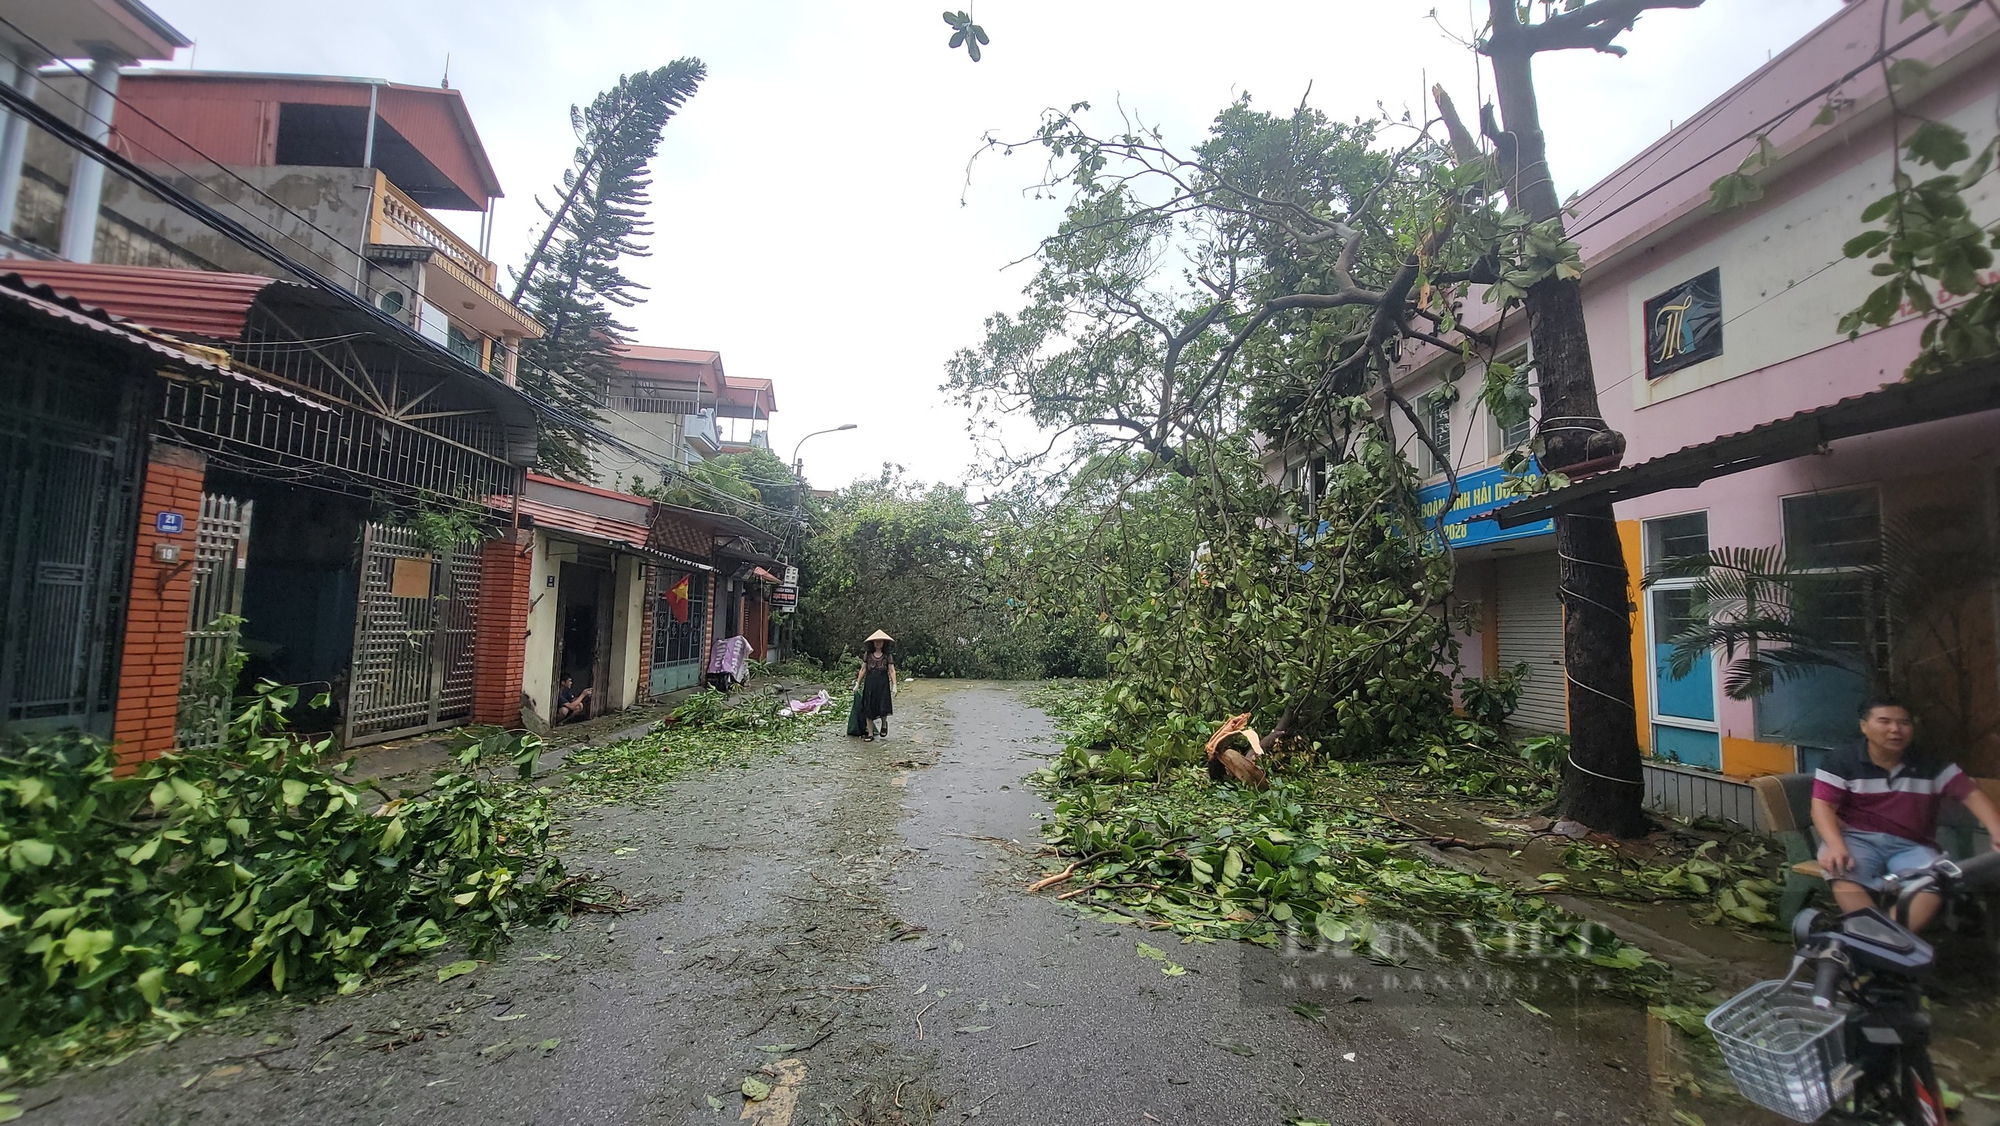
(1311, 861)
(1271, 866)
(208, 874)
(706, 731)
(1274, 866)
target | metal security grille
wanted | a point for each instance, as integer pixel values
(222, 546)
(412, 668)
(678, 649)
(68, 485)
(343, 412)
(458, 617)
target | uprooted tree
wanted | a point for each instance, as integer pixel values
(1266, 282)
(1197, 313)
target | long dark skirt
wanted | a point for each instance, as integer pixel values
(875, 696)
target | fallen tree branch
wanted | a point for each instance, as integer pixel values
(1051, 881)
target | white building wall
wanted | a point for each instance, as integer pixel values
(538, 667)
(628, 665)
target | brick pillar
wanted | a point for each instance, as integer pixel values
(156, 616)
(500, 637)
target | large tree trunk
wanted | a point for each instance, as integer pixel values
(1601, 784)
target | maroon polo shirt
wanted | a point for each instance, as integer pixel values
(1903, 802)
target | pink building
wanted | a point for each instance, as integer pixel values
(1706, 325)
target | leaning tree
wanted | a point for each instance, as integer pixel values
(571, 280)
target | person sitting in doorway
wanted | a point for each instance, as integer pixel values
(571, 704)
(1877, 812)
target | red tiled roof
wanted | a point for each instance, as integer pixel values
(738, 394)
(752, 393)
(197, 302)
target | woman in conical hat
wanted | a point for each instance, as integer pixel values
(874, 687)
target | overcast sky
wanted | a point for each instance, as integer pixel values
(807, 203)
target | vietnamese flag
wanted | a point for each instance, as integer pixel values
(677, 599)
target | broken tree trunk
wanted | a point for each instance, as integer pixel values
(1228, 762)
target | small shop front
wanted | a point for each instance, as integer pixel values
(1511, 576)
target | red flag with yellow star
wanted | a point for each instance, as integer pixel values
(677, 599)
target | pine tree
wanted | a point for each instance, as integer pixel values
(571, 281)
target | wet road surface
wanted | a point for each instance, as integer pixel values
(844, 923)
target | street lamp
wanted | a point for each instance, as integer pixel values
(798, 467)
(798, 470)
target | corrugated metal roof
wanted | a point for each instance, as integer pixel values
(1969, 389)
(47, 301)
(545, 479)
(590, 527)
(197, 302)
(604, 528)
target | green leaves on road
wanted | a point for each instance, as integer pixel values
(1168, 966)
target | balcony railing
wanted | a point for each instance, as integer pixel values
(408, 218)
(397, 220)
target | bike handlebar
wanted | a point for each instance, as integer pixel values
(1975, 872)
(1825, 980)
(1981, 871)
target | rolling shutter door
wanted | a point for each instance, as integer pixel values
(1531, 630)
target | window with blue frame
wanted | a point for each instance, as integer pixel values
(1683, 706)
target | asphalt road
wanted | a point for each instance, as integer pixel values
(845, 923)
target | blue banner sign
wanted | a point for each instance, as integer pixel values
(1468, 523)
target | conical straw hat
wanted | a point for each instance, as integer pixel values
(879, 635)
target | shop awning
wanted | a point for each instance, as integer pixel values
(588, 527)
(720, 523)
(766, 576)
(1966, 390)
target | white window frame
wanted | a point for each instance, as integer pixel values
(1522, 356)
(1653, 670)
(1440, 408)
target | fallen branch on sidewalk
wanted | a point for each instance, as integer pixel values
(1051, 881)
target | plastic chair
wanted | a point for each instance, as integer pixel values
(1785, 801)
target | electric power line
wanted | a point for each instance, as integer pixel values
(74, 138)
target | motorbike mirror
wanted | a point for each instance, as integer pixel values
(1802, 925)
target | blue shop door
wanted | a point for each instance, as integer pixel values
(1683, 707)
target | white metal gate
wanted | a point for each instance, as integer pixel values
(412, 668)
(1531, 631)
(208, 680)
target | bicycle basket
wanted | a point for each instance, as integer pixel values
(1782, 1051)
